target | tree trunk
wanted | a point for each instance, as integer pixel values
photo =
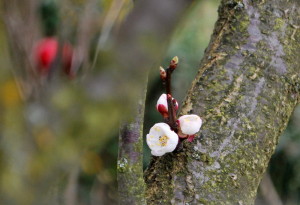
(245, 91)
(131, 186)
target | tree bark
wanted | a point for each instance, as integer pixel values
(131, 185)
(245, 91)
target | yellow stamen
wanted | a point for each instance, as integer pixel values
(163, 140)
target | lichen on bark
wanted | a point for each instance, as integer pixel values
(131, 185)
(245, 91)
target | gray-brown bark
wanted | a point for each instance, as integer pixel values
(131, 186)
(245, 91)
(130, 163)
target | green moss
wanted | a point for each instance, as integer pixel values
(122, 165)
(203, 201)
(244, 24)
(279, 22)
(138, 146)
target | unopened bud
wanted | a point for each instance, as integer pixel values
(163, 110)
(175, 104)
(174, 62)
(163, 74)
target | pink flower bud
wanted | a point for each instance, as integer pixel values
(163, 110)
(45, 53)
(162, 104)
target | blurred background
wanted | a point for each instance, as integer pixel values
(59, 113)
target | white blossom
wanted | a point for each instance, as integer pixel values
(161, 139)
(190, 124)
(162, 100)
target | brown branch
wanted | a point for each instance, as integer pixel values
(268, 191)
(171, 120)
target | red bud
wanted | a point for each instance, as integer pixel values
(173, 63)
(45, 54)
(175, 104)
(67, 54)
(162, 110)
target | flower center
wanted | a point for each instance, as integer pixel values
(163, 140)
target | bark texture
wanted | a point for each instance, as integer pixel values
(131, 185)
(130, 164)
(245, 91)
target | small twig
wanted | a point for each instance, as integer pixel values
(171, 120)
(168, 81)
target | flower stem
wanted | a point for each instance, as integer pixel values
(171, 109)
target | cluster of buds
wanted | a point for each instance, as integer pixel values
(165, 137)
(47, 51)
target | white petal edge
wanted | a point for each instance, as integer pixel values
(152, 139)
(157, 153)
(190, 124)
(163, 100)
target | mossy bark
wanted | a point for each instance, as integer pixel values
(245, 91)
(131, 185)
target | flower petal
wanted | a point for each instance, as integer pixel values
(162, 101)
(161, 139)
(158, 153)
(190, 124)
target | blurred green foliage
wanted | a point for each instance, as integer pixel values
(285, 163)
(49, 17)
